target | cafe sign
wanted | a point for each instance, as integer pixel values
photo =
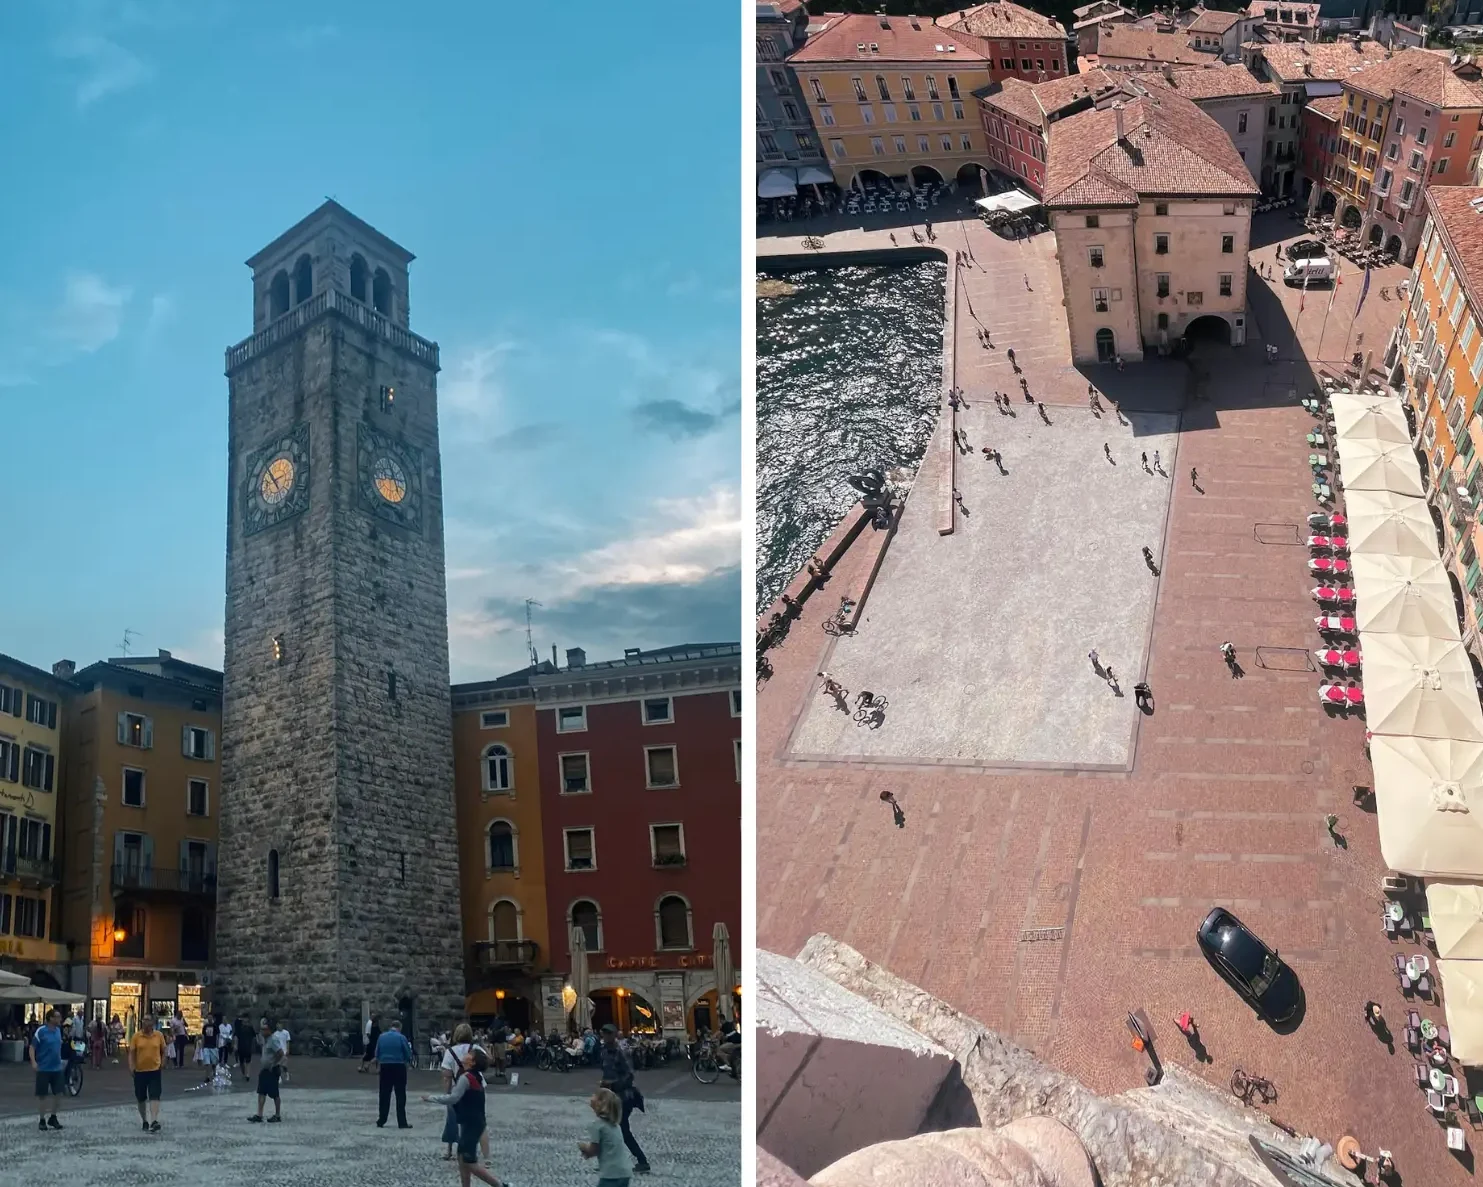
(633, 962)
(699, 961)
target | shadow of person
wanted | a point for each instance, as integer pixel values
(1237, 671)
(898, 815)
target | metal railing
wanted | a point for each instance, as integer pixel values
(197, 882)
(32, 869)
(332, 301)
(504, 954)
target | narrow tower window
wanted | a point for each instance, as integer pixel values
(360, 273)
(391, 685)
(381, 292)
(272, 873)
(278, 295)
(303, 280)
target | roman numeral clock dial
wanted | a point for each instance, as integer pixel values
(390, 479)
(276, 487)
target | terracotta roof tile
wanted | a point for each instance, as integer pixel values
(1170, 147)
(1211, 82)
(1211, 21)
(1297, 61)
(1002, 18)
(1029, 101)
(1121, 44)
(1283, 14)
(900, 40)
(1422, 74)
(1462, 226)
(1331, 107)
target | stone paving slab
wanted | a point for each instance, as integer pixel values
(1045, 566)
(328, 1139)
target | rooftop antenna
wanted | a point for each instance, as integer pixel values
(530, 645)
(127, 640)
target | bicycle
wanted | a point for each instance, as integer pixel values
(703, 1065)
(73, 1080)
(322, 1047)
(554, 1057)
(1244, 1087)
(871, 710)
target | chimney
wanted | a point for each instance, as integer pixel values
(553, 656)
(576, 658)
(1169, 74)
(63, 669)
(1117, 111)
(164, 654)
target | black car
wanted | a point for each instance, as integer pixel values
(1254, 970)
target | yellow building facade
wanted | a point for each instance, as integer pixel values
(32, 726)
(1438, 348)
(501, 858)
(141, 812)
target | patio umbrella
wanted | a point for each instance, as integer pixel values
(1404, 595)
(1382, 522)
(28, 993)
(1369, 418)
(580, 982)
(1420, 687)
(13, 978)
(1429, 805)
(1463, 982)
(1368, 464)
(725, 974)
(1457, 919)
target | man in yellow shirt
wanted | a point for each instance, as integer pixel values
(146, 1057)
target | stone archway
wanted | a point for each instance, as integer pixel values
(1352, 218)
(1377, 234)
(925, 174)
(1393, 245)
(1327, 202)
(1209, 327)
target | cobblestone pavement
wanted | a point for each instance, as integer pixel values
(329, 1138)
(1049, 903)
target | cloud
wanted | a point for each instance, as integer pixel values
(108, 68)
(679, 421)
(161, 314)
(91, 314)
(313, 35)
(531, 436)
(471, 395)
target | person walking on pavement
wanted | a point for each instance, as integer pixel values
(268, 1075)
(1143, 457)
(460, 1045)
(372, 1036)
(617, 1076)
(393, 1053)
(1107, 450)
(45, 1053)
(146, 1058)
(465, 1102)
(1194, 477)
(177, 1037)
(244, 1044)
(604, 1142)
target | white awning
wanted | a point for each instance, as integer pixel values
(813, 175)
(777, 183)
(1011, 202)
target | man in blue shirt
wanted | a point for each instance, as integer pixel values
(46, 1057)
(393, 1053)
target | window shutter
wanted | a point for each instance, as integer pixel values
(184, 852)
(51, 715)
(147, 854)
(123, 728)
(118, 850)
(211, 744)
(40, 919)
(15, 763)
(148, 733)
(12, 830)
(51, 770)
(46, 842)
(15, 702)
(211, 859)
(185, 740)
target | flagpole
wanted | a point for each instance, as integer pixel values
(1364, 291)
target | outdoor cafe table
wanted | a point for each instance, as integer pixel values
(1332, 657)
(1428, 1027)
(1332, 593)
(1333, 622)
(1324, 564)
(1437, 1077)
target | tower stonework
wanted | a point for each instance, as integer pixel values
(338, 870)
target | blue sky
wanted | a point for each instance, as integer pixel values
(569, 180)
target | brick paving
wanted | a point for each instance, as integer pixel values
(1224, 802)
(328, 1138)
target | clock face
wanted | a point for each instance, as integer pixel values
(277, 480)
(389, 479)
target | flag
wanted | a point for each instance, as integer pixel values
(1364, 291)
(1303, 300)
(1338, 280)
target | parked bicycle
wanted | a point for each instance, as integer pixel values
(554, 1057)
(703, 1063)
(76, 1057)
(1244, 1087)
(324, 1047)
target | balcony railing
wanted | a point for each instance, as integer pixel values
(165, 880)
(669, 861)
(42, 871)
(504, 954)
(332, 301)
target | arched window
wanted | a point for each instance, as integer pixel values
(278, 295)
(272, 873)
(501, 846)
(360, 273)
(303, 280)
(381, 292)
(498, 768)
(1106, 350)
(585, 914)
(504, 921)
(673, 914)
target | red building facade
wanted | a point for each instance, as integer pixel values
(1318, 139)
(640, 786)
(1025, 44)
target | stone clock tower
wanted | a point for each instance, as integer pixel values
(338, 879)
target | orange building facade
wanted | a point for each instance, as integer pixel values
(1438, 351)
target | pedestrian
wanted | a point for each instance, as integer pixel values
(1025, 387)
(1044, 415)
(1373, 1014)
(178, 1036)
(1228, 652)
(832, 687)
(893, 238)
(1095, 658)
(372, 1033)
(604, 1141)
(466, 1103)
(45, 1052)
(146, 1058)
(1194, 477)
(207, 1055)
(393, 1053)
(1107, 675)
(1143, 457)
(268, 1075)
(454, 1065)
(617, 1076)
(1107, 450)
(1028, 289)
(245, 1043)
(1157, 465)
(99, 1044)
(1142, 695)
(284, 1038)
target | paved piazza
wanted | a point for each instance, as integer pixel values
(1049, 902)
(1048, 557)
(329, 1139)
